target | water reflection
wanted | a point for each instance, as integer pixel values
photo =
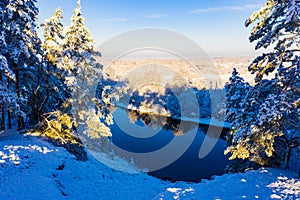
(177, 126)
(167, 147)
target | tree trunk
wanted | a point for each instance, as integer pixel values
(47, 89)
(2, 109)
(2, 117)
(9, 120)
(20, 118)
(284, 164)
(8, 112)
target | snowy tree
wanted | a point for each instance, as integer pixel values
(53, 37)
(236, 91)
(69, 58)
(84, 75)
(8, 98)
(23, 48)
(56, 91)
(268, 127)
(3, 46)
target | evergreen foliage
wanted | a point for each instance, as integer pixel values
(20, 57)
(56, 91)
(267, 127)
(69, 52)
(8, 98)
(84, 75)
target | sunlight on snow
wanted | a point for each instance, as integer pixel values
(244, 180)
(10, 153)
(178, 191)
(263, 171)
(285, 188)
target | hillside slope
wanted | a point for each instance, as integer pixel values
(31, 168)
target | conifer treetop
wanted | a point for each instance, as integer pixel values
(53, 36)
(77, 33)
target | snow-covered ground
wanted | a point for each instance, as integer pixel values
(31, 168)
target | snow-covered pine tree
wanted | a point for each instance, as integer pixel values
(83, 78)
(53, 37)
(269, 126)
(236, 91)
(56, 90)
(23, 49)
(8, 97)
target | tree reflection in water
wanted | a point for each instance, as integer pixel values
(177, 126)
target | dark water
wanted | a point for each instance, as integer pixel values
(168, 148)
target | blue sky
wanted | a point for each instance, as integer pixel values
(216, 25)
